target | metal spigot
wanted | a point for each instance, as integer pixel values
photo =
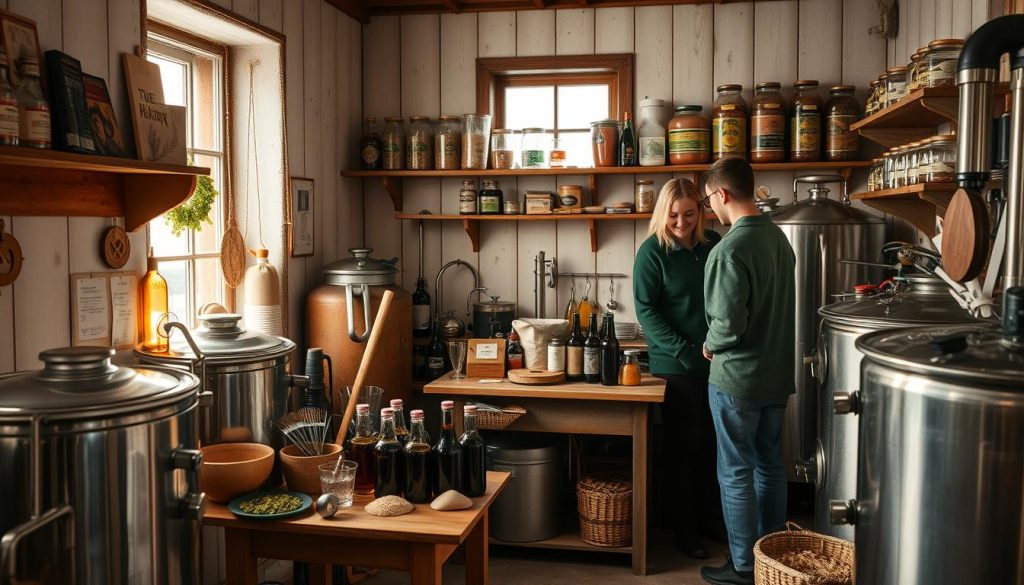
(846, 402)
(842, 513)
(187, 459)
(806, 469)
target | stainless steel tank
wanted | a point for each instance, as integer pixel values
(822, 231)
(100, 473)
(915, 299)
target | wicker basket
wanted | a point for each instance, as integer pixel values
(605, 506)
(830, 557)
(496, 421)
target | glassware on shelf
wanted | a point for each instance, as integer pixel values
(448, 143)
(457, 354)
(536, 148)
(392, 142)
(504, 148)
(476, 136)
(557, 158)
(420, 150)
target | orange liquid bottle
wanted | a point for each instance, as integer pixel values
(152, 308)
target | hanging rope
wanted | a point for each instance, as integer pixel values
(251, 130)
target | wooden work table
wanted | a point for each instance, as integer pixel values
(418, 542)
(579, 408)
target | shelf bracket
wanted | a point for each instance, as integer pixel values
(592, 227)
(921, 214)
(472, 228)
(393, 186)
(148, 196)
(947, 107)
(890, 137)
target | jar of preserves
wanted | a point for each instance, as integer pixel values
(689, 137)
(895, 80)
(938, 64)
(448, 143)
(468, 204)
(392, 143)
(476, 137)
(504, 145)
(940, 160)
(33, 109)
(556, 355)
(841, 111)
(651, 133)
(536, 146)
(420, 141)
(768, 124)
(644, 196)
(604, 139)
(491, 199)
(729, 123)
(805, 127)
(629, 371)
(556, 159)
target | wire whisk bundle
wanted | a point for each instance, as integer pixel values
(307, 429)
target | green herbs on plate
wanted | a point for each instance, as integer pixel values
(270, 504)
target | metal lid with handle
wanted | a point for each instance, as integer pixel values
(218, 339)
(360, 271)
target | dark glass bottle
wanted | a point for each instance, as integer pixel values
(387, 454)
(491, 199)
(627, 142)
(574, 352)
(474, 456)
(609, 353)
(361, 451)
(513, 352)
(592, 354)
(370, 149)
(435, 355)
(401, 431)
(419, 462)
(447, 453)
(421, 309)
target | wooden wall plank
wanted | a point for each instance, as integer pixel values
(573, 249)
(534, 236)
(42, 315)
(292, 17)
(775, 53)
(863, 53)
(497, 34)
(349, 213)
(692, 46)
(613, 30)
(943, 13)
(821, 26)
(652, 36)
(961, 21)
(535, 33)
(272, 14)
(331, 128)
(222, 3)
(734, 46)
(312, 119)
(248, 8)
(574, 31)
(979, 13)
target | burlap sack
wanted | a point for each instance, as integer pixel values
(535, 334)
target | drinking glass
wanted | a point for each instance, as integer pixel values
(457, 353)
(339, 479)
(371, 395)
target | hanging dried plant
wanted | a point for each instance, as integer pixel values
(196, 209)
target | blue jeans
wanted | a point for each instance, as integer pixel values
(750, 470)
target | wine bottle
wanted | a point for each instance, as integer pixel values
(514, 352)
(474, 455)
(447, 453)
(419, 462)
(401, 431)
(574, 352)
(627, 143)
(421, 309)
(609, 353)
(387, 458)
(592, 354)
(361, 451)
(435, 355)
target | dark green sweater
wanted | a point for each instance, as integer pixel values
(749, 286)
(668, 288)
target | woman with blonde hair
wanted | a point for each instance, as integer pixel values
(668, 289)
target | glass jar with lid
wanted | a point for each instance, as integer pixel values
(8, 105)
(768, 124)
(392, 143)
(604, 139)
(420, 141)
(468, 204)
(805, 126)
(940, 160)
(841, 111)
(476, 139)
(889, 170)
(875, 174)
(629, 370)
(689, 136)
(448, 143)
(874, 97)
(644, 196)
(895, 79)
(536, 146)
(914, 152)
(504, 147)
(490, 199)
(914, 70)
(651, 133)
(729, 122)
(940, 61)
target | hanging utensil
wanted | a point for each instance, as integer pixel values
(611, 304)
(585, 307)
(571, 307)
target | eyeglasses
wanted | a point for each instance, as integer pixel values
(706, 201)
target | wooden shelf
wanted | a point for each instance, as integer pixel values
(919, 204)
(569, 540)
(54, 183)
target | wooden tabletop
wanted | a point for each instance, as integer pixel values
(651, 389)
(422, 525)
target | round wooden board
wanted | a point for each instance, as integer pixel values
(116, 247)
(965, 236)
(10, 257)
(535, 377)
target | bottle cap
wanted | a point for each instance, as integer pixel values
(362, 409)
(447, 405)
(387, 412)
(396, 403)
(416, 414)
(469, 409)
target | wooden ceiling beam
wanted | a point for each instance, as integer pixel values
(354, 8)
(398, 7)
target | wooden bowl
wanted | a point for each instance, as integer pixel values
(233, 469)
(301, 472)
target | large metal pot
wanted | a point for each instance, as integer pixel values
(940, 486)
(917, 299)
(100, 473)
(493, 317)
(821, 231)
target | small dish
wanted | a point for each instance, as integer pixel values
(307, 503)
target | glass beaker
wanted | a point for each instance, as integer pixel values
(476, 137)
(457, 353)
(371, 395)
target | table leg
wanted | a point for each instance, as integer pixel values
(241, 563)
(320, 574)
(640, 488)
(425, 564)
(477, 560)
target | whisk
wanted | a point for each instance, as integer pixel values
(306, 428)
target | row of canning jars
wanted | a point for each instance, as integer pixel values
(453, 142)
(932, 160)
(804, 129)
(933, 65)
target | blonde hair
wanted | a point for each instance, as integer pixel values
(672, 191)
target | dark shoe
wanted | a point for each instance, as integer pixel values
(692, 547)
(727, 575)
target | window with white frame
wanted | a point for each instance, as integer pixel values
(193, 77)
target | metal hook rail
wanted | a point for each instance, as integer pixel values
(591, 275)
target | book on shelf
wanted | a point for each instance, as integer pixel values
(159, 128)
(106, 133)
(72, 127)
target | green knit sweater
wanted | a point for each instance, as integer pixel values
(749, 286)
(668, 289)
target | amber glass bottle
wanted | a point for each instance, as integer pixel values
(152, 308)
(768, 124)
(361, 451)
(805, 126)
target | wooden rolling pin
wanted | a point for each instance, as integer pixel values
(364, 366)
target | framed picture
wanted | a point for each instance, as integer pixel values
(20, 40)
(300, 238)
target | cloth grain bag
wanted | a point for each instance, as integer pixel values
(535, 334)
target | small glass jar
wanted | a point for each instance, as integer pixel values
(889, 171)
(33, 109)
(940, 61)
(392, 143)
(913, 157)
(476, 137)
(644, 196)
(729, 122)
(536, 147)
(468, 198)
(805, 122)
(629, 370)
(768, 124)
(420, 141)
(940, 163)
(512, 206)
(875, 174)
(689, 136)
(604, 139)
(914, 70)
(448, 143)
(841, 111)
(872, 104)
(895, 79)
(900, 167)
(504, 146)
(558, 154)
(490, 199)
(556, 355)
(8, 105)
(650, 133)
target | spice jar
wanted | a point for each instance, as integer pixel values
(604, 138)
(895, 80)
(689, 137)
(468, 198)
(889, 171)
(729, 123)
(938, 66)
(392, 141)
(940, 160)
(872, 105)
(556, 355)
(805, 122)
(504, 144)
(536, 144)
(644, 196)
(841, 112)
(915, 70)
(768, 124)
(875, 175)
(650, 133)
(476, 136)
(914, 156)
(570, 196)
(448, 143)
(490, 199)
(369, 151)
(420, 151)
(512, 206)
(629, 371)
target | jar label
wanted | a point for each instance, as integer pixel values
(556, 359)
(569, 200)
(8, 119)
(591, 361)
(370, 154)
(727, 107)
(490, 204)
(533, 159)
(392, 147)
(467, 202)
(35, 126)
(839, 138)
(435, 363)
(689, 140)
(421, 317)
(729, 135)
(574, 361)
(806, 131)
(652, 150)
(515, 361)
(768, 132)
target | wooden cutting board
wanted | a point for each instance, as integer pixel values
(965, 240)
(535, 377)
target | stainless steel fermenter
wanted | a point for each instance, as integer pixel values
(100, 473)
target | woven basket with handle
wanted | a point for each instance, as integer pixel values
(795, 556)
(605, 506)
(498, 419)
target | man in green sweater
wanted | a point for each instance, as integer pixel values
(749, 301)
